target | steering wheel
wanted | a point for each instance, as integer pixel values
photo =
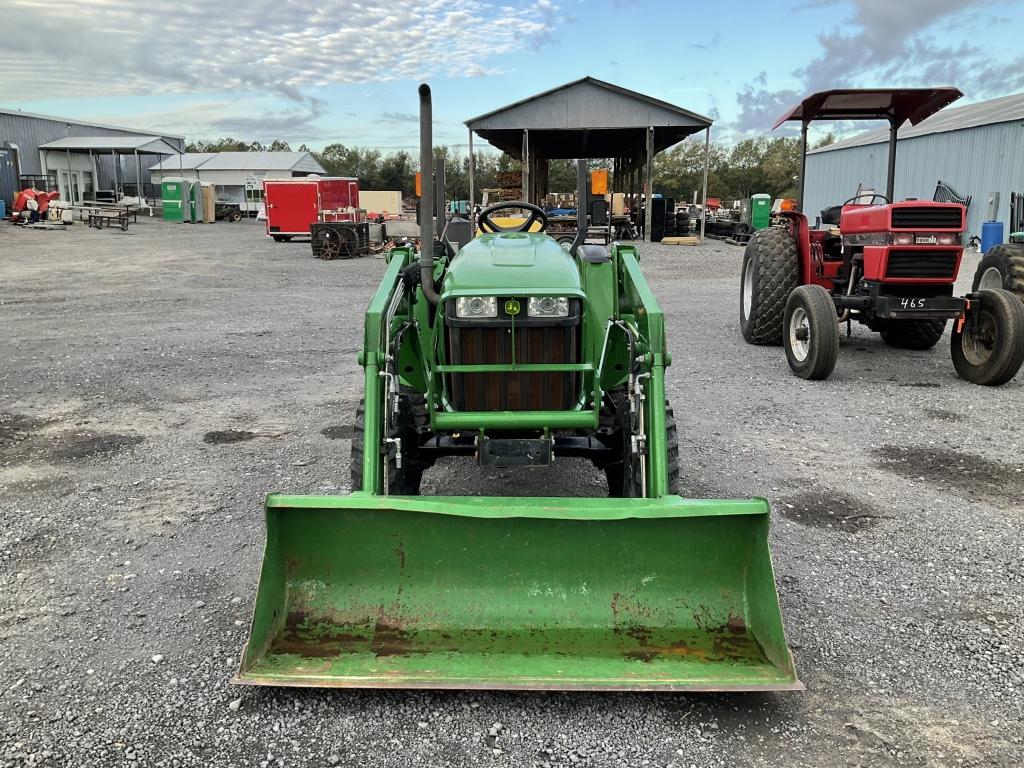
(874, 195)
(483, 220)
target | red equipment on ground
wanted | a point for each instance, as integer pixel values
(21, 202)
(294, 205)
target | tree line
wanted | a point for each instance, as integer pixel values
(735, 171)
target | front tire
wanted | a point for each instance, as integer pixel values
(624, 477)
(989, 350)
(811, 336)
(412, 418)
(770, 273)
(1002, 267)
(913, 334)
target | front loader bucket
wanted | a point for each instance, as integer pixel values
(517, 593)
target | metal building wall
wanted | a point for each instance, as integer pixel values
(27, 132)
(974, 161)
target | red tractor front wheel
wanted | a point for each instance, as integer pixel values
(988, 348)
(811, 332)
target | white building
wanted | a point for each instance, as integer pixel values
(237, 176)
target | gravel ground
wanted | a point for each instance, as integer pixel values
(157, 383)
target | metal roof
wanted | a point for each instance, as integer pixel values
(1002, 110)
(189, 161)
(74, 121)
(149, 145)
(243, 161)
(899, 104)
(586, 118)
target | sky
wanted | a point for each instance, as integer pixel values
(325, 71)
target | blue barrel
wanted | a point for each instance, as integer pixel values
(3, 209)
(991, 235)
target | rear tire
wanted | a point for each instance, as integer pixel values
(1002, 267)
(412, 417)
(913, 334)
(811, 336)
(992, 354)
(770, 273)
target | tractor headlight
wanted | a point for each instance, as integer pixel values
(903, 238)
(949, 239)
(470, 307)
(548, 306)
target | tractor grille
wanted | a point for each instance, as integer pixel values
(512, 391)
(922, 263)
(927, 217)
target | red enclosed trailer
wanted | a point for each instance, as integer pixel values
(293, 205)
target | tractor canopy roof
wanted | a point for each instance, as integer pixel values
(895, 104)
(510, 263)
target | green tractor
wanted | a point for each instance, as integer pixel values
(512, 352)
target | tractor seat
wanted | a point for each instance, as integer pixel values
(831, 214)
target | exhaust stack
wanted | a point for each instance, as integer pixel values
(427, 195)
(581, 206)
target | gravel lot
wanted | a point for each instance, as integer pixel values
(157, 383)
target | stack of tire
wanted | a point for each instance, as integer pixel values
(682, 223)
(670, 224)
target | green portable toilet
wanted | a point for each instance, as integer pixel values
(171, 197)
(760, 210)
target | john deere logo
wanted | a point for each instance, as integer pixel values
(512, 307)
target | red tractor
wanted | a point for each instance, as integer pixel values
(889, 265)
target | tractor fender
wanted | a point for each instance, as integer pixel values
(800, 230)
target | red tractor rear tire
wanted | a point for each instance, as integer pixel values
(770, 273)
(990, 350)
(913, 334)
(811, 332)
(1002, 267)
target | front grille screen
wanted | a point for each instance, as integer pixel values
(928, 217)
(921, 263)
(513, 391)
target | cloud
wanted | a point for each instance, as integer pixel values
(271, 48)
(260, 119)
(399, 117)
(760, 108)
(713, 43)
(885, 43)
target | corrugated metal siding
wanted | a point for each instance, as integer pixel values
(975, 162)
(28, 132)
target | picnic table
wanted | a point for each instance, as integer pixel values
(99, 215)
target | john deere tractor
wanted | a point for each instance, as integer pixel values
(887, 264)
(514, 351)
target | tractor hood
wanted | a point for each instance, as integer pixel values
(512, 263)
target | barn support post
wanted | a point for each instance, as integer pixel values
(526, 165)
(71, 188)
(472, 170)
(707, 158)
(648, 183)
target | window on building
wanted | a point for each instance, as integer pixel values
(88, 187)
(254, 195)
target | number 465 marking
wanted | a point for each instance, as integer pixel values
(912, 303)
